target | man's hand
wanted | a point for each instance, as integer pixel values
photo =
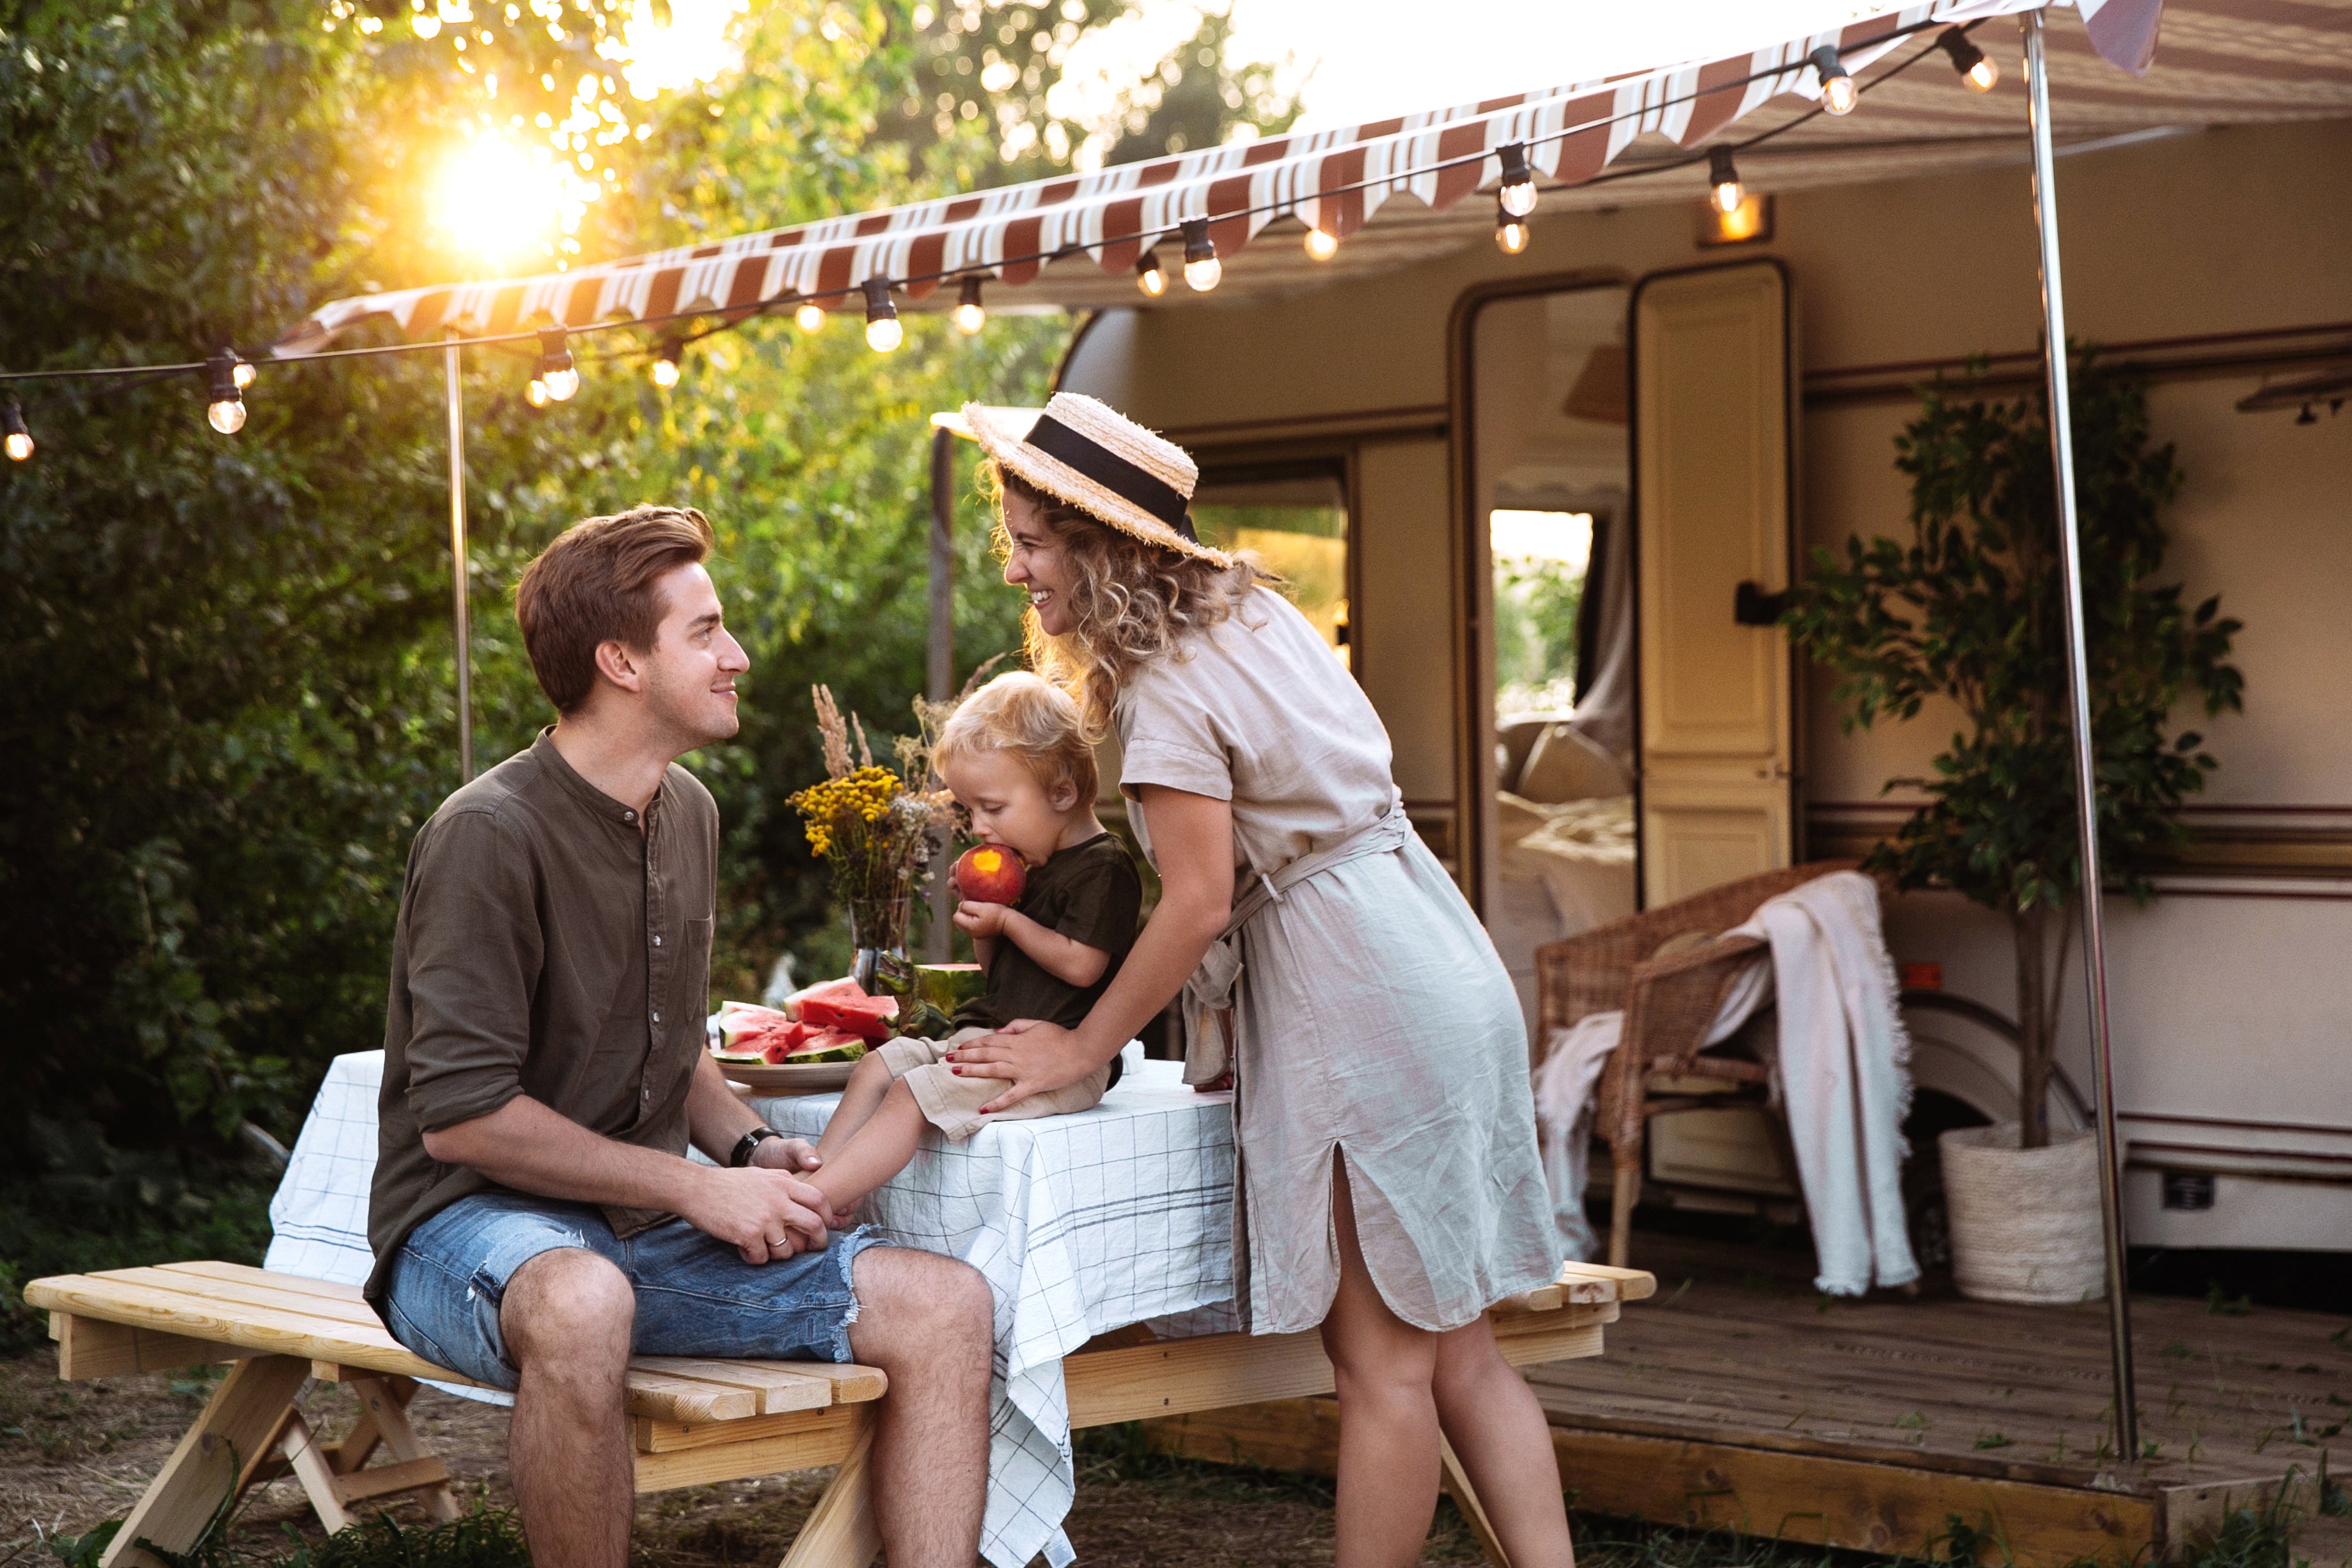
(976, 918)
(1033, 1055)
(790, 1155)
(764, 1215)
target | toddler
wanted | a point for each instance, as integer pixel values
(1016, 758)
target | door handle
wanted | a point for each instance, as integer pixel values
(1752, 606)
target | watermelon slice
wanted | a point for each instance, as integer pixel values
(783, 1041)
(828, 1045)
(869, 1018)
(825, 991)
(743, 1027)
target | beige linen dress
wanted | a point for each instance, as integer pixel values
(1375, 1019)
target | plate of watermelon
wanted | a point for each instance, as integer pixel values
(806, 1047)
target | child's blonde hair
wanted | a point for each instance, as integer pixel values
(1033, 720)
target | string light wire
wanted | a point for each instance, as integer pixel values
(815, 303)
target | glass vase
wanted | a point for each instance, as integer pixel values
(878, 938)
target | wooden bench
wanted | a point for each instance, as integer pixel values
(692, 1422)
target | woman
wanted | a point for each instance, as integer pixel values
(1388, 1187)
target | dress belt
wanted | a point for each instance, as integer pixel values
(1211, 994)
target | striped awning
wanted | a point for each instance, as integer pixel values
(1392, 190)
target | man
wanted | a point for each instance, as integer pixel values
(534, 1219)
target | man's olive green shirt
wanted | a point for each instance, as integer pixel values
(552, 945)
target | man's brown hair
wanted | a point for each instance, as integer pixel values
(595, 584)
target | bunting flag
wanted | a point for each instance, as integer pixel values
(1334, 180)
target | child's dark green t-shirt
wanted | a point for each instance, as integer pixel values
(1089, 893)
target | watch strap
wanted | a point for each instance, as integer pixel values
(742, 1156)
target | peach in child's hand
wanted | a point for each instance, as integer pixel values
(990, 874)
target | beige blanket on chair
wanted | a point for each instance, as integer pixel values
(1845, 1080)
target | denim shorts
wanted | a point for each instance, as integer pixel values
(696, 1296)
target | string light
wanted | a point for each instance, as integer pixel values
(243, 372)
(1202, 268)
(1511, 235)
(536, 394)
(810, 317)
(1321, 247)
(224, 405)
(1839, 93)
(1517, 191)
(882, 330)
(1149, 275)
(1978, 72)
(556, 373)
(1723, 182)
(19, 438)
(666, 362)
(971, 315)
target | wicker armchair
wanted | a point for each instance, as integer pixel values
(1669, 1003)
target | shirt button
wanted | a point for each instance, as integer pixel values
(628, 817)
(658, 1018)
(656, 941)
(647, 1094)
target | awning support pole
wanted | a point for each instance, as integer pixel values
(2069, 549)
(940, 664)
(453, 369)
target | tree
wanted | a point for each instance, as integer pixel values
(226, 667)
(1971, 611)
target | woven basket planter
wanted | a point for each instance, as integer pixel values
(2025, 1222)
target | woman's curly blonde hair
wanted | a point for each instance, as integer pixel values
(1133, 602)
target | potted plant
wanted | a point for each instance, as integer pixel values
(1970, 611)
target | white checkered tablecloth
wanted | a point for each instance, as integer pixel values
(1081, 1225)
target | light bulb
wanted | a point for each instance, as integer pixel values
(971, 315)
(1977, 74)
(1723, 182)
(536, 394)
(1149, 275)
(20, 445)
(666, 358)
(19, 438)
(1839, 93)
(556, 373)
(1202, 268)
(810, 317)
(225, 403)
(245, 372)
(1517, 191)
(1321, 247)
(1511, 235)
(883, 329)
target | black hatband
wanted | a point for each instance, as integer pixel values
(1113, 472)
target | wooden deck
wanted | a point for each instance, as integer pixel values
(1740, 1398)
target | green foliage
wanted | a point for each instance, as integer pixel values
(225, 668)
(90, 1205)
(1535, 602)
(1971, 610)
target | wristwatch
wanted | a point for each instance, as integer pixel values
(749, 1141)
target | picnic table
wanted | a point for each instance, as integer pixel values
(1106, 1237)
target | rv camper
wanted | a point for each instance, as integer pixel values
(1648, 408)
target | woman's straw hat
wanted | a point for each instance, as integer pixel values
(1087, 453)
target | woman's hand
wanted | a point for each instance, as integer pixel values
(1032, 1055)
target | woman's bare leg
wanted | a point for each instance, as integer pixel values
(1500, 1432)
(1387, 1415)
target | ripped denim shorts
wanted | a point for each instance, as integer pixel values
(696, 1296)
